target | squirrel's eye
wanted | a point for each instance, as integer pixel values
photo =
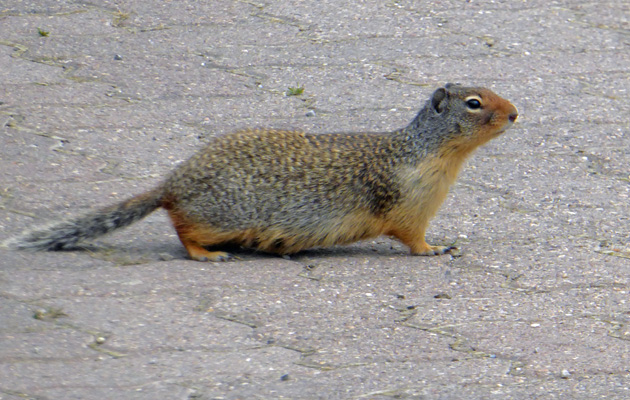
(473, 104)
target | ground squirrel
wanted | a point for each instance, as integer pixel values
(285, 191)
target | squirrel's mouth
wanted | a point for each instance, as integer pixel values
(509, 123)
(504, 128)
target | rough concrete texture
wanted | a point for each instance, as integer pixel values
(100, 99)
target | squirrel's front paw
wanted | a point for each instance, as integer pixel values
(428, 250)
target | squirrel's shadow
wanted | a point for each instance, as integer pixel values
(143, 253)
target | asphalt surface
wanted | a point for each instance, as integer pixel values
(98, 100)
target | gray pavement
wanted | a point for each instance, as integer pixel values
(100, 99)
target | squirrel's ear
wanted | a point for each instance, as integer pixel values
(438, 100)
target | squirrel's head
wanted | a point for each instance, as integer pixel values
(470, 116)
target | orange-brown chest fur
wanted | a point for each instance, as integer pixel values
(426, 184)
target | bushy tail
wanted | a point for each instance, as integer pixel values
(65, 234)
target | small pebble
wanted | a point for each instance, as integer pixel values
(565, 374)
(311, 113)
(284, 377)
(166, 257)
(117, 57)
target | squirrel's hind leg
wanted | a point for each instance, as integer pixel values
(194, 237)
(198, 253)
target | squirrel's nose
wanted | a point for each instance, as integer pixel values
(512, 117)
